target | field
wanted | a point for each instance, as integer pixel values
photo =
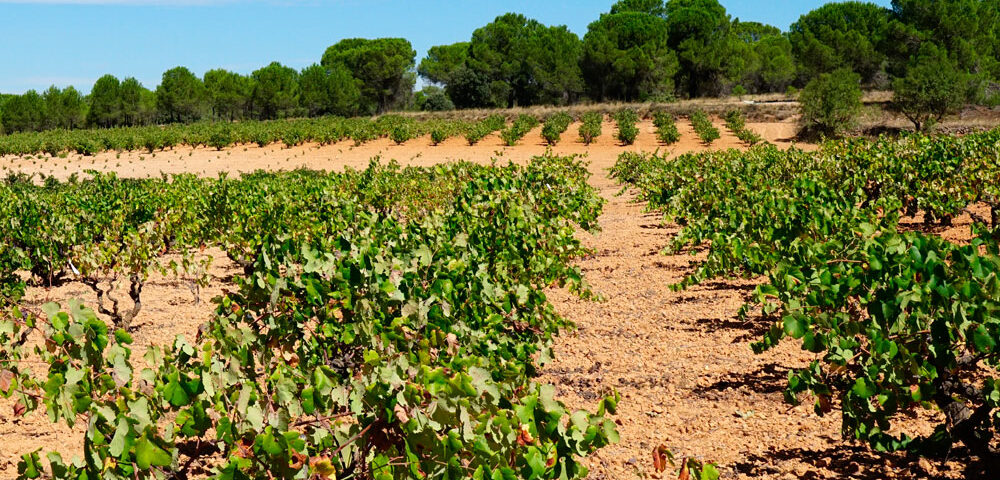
(660, 368)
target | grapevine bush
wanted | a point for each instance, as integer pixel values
(704, 128)
(555, 126)
(666, 128)
(523, 124)
(590, 130)
(627, 130)
(736, 123)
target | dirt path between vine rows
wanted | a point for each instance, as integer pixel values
(683, 365)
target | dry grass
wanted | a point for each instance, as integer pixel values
(770, 107)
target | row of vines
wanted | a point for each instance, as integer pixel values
(323, 131)
(388, 323)
(900, 319)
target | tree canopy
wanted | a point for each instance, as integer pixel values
(382, 70)
(841, 35)
(626, 57)
(181, 95)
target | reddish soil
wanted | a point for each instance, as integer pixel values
(680, 360)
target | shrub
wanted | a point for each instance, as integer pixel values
(478, 131)
(438, 135)
(263, 137)
(555, 126)
(86, 146)
(220, 138)
(292, 137)
(591, 128)
(627, 130)
(521, 126)
(704, 128)
(401, 133)
(932, 88)
(666, 128)
(831, 102)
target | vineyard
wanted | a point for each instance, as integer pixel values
(496, 320)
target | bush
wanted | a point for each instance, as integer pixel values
(292, 137)
(263, 137)
(831, 102)
(438, 135)
(521, 126)
(86, 146)
(737, 123)
(555, 126)
(666, 128)
(627, 130)
(402, 133)
(434, 100)
(932, 88)
(704, 128)
(591, 128)
(220, 138)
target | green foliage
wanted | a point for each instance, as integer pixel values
(968, 30)
(736, 123)
(519, 61)
(24, 113)
(591, 127)
(403, 132)
(433, 99)
(381, 69)
(899, 321)
(554, 127)
(666, 128)
(220, 138)
(228, 94)
(427, 321)
(105, 102)
(323, 130)
(831, 102)
(274, 91)
(704, 128)
(932, 88)
(849, 35)
(626, 57)
(64, 108)
(626, 120)
(442, 61)
(523, 124)
(180, 96)
(480, 130)
(699, 31)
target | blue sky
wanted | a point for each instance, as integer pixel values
(73, 42)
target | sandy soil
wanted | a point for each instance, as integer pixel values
(208, 161)
(681, 360)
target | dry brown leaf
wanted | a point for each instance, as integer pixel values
(6, 377)
(401, 414)
(660, 458)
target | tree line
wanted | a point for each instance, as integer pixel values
(354, 77)
(945, 51)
